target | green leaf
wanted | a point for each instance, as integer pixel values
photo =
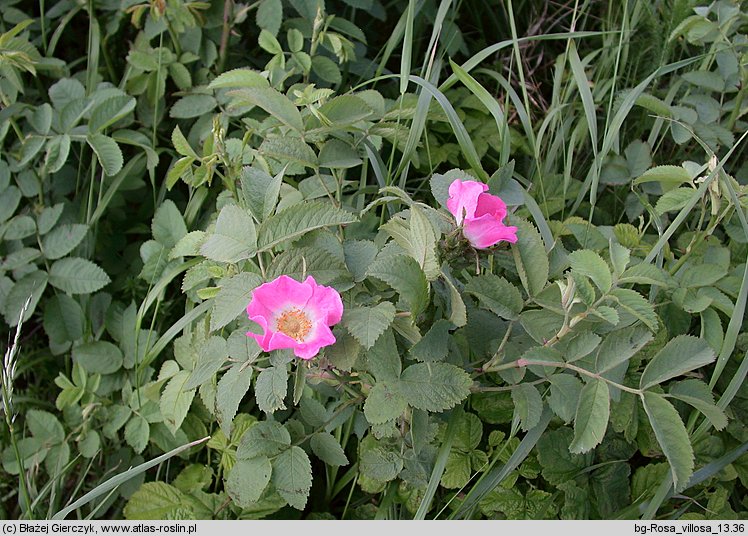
(157, 501)
(558, 464)
(188, 245)
(265, 438)
(300, 262)
(680, 355)
(63, 239)
(168, 226)
(238, 78)
(98, 357)
(698, 395)
(665, 175)
(366, 324)
(647, 274)
(326, 69)
(404, 275)
(327, 449)
(592, 265)
(213, 355)
(359, 255)
(274, 103)
(231, 389)
(672, 436)
(297, 220)
(233, 298)
(435, 386)
(77, 276)
(591, 421)
(619, 346)
(260, 191)
(181, 144)
(336, 154)
(137, 433)
(709, 80)
(30, 287)
(345, 110)
(175, 401)
(497, 295)
(233, 238)
(384, 403)
(619, 257)
(289, 149)
(564, 399)
(528, 405)
(271, 389)
(9, 202)
(379, 460)
(634, 304)
(45, 427)
(270, 15)
(530, 257)
(292, 476)
(107, 151)
(63, 319)
(434, 346)
(383, 358)
(192, 106)
(109, 111)
(248, 479)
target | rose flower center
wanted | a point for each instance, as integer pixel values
(295, 324)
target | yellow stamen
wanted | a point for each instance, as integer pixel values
(295, 324)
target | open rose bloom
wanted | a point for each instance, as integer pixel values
(481, 214)
(295, 315)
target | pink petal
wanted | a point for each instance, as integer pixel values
(281, 293)
(485, 231)
(463, 198)
(321, 337)
(490, 204)
(325, 304)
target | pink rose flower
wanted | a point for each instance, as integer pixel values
(295, 315)
(480, 214)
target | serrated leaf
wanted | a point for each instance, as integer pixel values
(63, 319)
(77, 276)
(295, 221)
(233, 238)
(591, 421)
(300, 262)
(157, 501)
(383, 358)
(181, 144)
(137, 432)
(665, 175)
(366, 324)
(238, 78)
(647, 274)
(497, 295)
(213, 355)
(109, 111)
(434, 346)
(336, 154)
(260, 191)
(168, 226)
(422, 239)
(273, 102)
(378, 460)
(698, 395)
(564, 399)
(680, 355)
(528, 405)
(108, 152)
(233, 298)
(63, 239)
(192, 106)
(98, 357)
(265, 438)
(530, 257)
(560, 465)
(359, 255)
(271, 389)
(384, 403)
(30, 287)
(231, 389)
(292, 476)
(188, 245)
(289, 149)
(634, 304)
(327, 449)
(672, 436)
(404, 275)
(248, 479)
(435, 386)
(592, 265)
(345, 110)
(674, 199)
(269, 15)
(175, 401)
(619, 346)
